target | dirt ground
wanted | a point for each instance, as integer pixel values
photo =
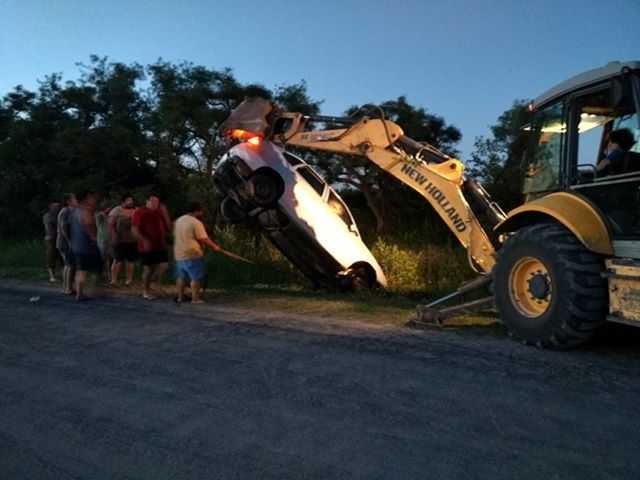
(124, 388)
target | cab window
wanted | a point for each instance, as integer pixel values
(594, 113)
(614, 191)
(549, 130)
(597, 118)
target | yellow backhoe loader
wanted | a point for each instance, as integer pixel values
(568, 258)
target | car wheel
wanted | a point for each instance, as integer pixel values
(548, 287)
(361, 279)
(264, 188)
(231, 211)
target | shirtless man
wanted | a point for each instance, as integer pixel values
(122, 240)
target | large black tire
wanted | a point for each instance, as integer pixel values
(548, 287)
(231, 211)
(264, 188)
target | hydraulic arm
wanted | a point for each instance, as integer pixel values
(430, 172)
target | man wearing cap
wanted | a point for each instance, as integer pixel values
(190, 238)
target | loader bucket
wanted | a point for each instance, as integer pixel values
(251, 116)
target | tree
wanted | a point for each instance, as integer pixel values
(110, 131)
(104, 141)
(295, 98)
(30, 122)
(498, 161)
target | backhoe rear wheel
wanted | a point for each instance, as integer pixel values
(548, 287)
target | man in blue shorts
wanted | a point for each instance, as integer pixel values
(190, 237)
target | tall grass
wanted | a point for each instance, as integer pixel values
(24, 253)
(412, 265)
(23, 259)
(269, 265)
(426, 269)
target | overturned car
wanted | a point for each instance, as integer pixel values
(298, 212)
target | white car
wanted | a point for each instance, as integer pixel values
(299, 213)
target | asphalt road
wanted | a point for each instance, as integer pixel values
(121, 388)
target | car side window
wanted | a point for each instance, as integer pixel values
(312, 179)
(338, 206)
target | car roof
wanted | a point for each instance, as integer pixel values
(584, 79)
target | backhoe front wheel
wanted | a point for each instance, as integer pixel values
(548, 287)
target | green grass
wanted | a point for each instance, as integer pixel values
(23, 259)
(415, 270)
(272, 284)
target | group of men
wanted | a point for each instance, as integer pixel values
(85, 236)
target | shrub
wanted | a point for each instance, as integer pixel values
(269, 267)
(428, 269)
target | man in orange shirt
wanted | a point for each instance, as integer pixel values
(189, 239)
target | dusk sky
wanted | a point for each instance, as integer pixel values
(464, 60)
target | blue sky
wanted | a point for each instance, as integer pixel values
(464, 60)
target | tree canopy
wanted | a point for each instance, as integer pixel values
(119, 128)
(498, 161)
(133, 128)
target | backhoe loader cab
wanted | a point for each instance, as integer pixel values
(571, 255)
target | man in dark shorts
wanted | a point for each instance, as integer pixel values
(50, 222)
(150, 222)
(84, 240)
(63, 243)
(122, 239)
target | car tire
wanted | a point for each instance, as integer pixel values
(231, 211)
(264, 188)
(361, 278)
(548, 287)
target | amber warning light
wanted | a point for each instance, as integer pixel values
(243, 135)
